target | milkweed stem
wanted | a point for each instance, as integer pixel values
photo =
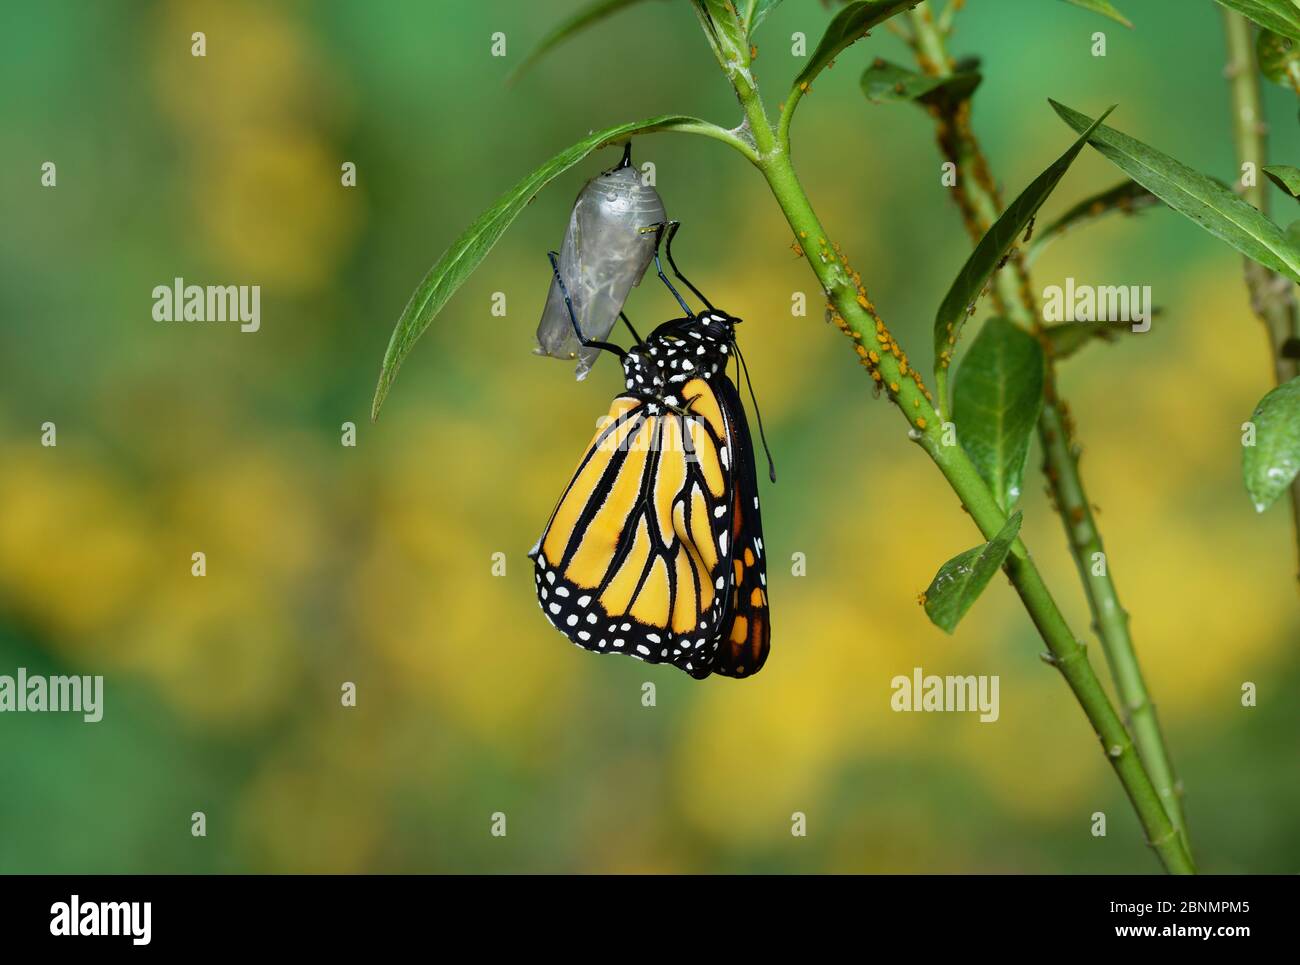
(980, 205)
(884, 359)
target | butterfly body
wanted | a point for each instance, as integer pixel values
(655, 549)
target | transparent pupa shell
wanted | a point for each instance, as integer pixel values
(604, 254)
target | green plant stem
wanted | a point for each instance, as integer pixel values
(1272, 297)
(1013, 295)
(890, 369)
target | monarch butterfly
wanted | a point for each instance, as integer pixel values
(655, 548)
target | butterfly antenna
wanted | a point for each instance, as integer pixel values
(758, 416)
(658, 229)
(668, 249)
(573, 319)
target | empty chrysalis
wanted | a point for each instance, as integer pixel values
(604, 254)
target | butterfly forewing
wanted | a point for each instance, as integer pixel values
(637, 555)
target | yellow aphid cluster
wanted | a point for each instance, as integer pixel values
(945, 357)
(869, 353)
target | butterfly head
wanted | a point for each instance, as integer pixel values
(699, 348)
(718, 326)
(696, 347)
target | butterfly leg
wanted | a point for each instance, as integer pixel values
(628, 323)
(658, 229)
(568, 303)
(668, 250)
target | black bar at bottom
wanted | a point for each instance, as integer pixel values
(338, 914)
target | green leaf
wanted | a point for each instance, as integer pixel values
(1285, 177)
(1128, 197)
(1103, 7)
(587, 15)
(962, 579)
(847, 27)
(1068, 337)
(1210, 204)
(1280, 16)
(729, 32)
(761, 9)
(1270, 465)
(465, 253)
(996, 400)
(988, 255)
(1278, 56)
(884, 82)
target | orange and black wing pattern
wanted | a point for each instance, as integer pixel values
(638, 555)
(746, 632)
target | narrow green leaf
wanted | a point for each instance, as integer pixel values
(728, 28)
(1285, 177)
(884, 82)
(1278, 57)
(1211, 205)
(761, 9)
(1128, 197)
(1280, 16)
(1270, 465)
(962, 579)
(586, 16)
(1103, 7)
(990, 251)
(847, 27)
(1068, 337)
(465, 253)
(996, 400)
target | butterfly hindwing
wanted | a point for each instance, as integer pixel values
(746, 630)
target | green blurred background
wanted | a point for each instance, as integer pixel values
(374, 564)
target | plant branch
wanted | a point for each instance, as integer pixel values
(1126, 198)
(980, 206)
(854, 22)
(882, 356)
(1272, 296)
(951, 11)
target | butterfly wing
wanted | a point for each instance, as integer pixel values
(635, 557)
(746, 632)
